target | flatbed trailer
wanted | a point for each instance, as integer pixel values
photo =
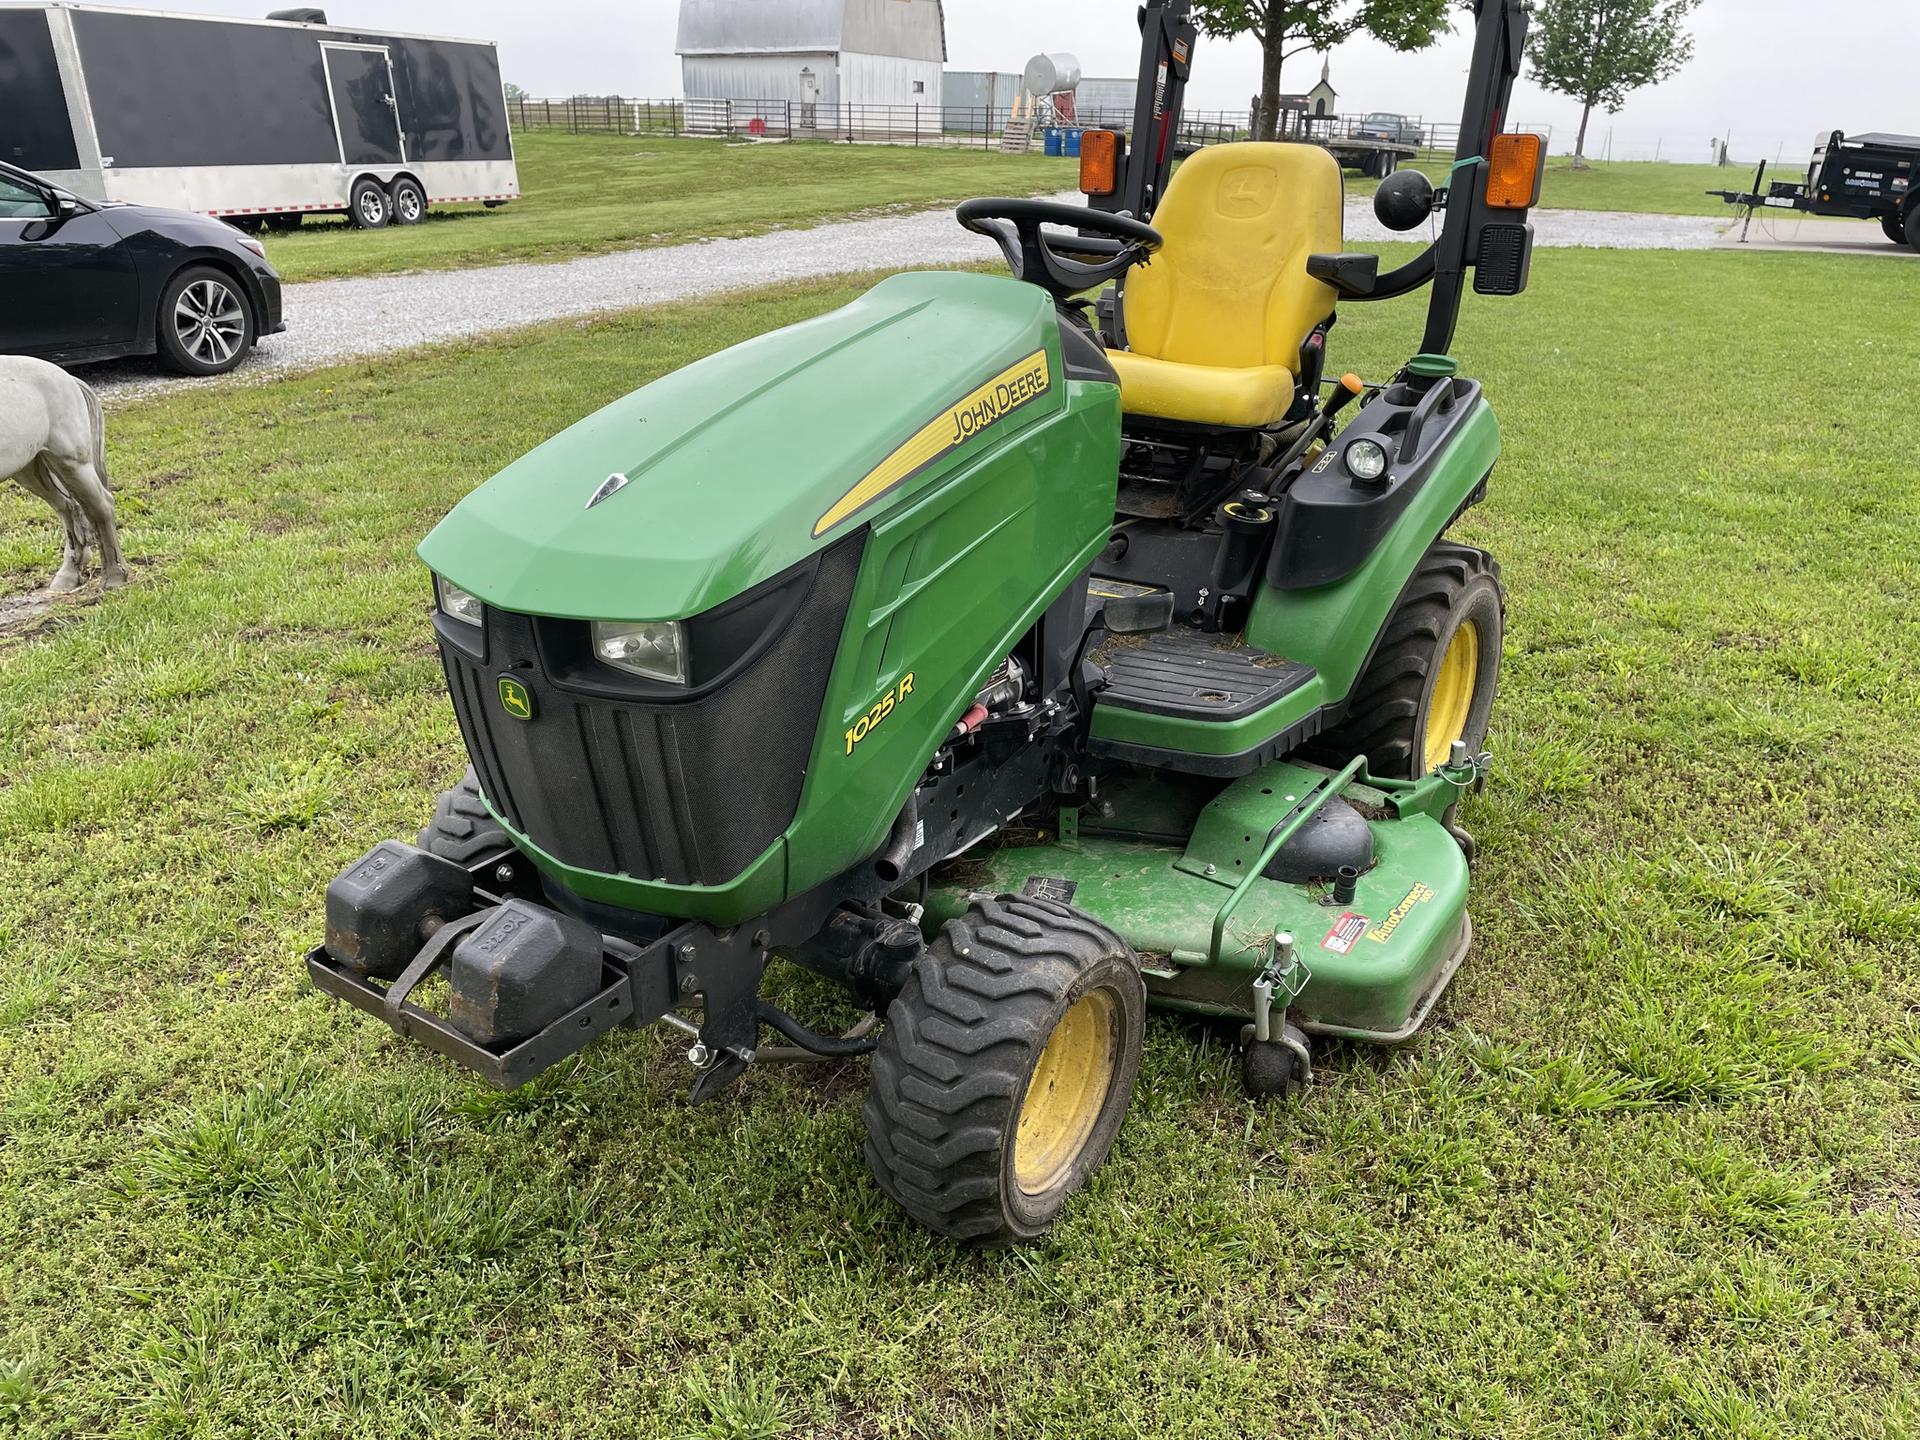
(1858, 177)
(256, 121)
(1372, 155)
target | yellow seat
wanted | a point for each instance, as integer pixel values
(1215, 323)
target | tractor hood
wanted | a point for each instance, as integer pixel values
(716, 477)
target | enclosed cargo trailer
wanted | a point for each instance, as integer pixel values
(254, 120)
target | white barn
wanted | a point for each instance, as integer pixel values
(826, 53)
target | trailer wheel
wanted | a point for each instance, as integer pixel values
(409, 201)
(369, 207)
(205, 325)
(1006, 1067)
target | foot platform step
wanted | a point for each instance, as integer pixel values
(1194, 675)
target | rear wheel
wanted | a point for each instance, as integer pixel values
(205, 325)
(409, 202)
(1432, 679)
(369, 207)
(1006, 1067)
(463, 829)
(1894, 228)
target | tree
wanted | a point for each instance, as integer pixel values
(1287, 27)
(515, 92)
(1601, 51)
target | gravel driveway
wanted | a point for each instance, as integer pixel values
(334, 320)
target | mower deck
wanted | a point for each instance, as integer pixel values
(1368, 967)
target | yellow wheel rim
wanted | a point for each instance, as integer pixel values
(1067, 1092)
(1453, 691)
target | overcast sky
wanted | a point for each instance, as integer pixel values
(1773, 73)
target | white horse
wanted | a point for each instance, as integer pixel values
(53, 440)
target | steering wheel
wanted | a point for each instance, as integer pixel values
(1116, 242)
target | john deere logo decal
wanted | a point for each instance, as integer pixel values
(1019, 384)
(515, 698)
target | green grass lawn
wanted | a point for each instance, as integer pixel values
(1639, 187)
(585, 194)
(1653, 1172)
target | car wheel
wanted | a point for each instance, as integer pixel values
(205, 325)
(369, 207)
(409, 202)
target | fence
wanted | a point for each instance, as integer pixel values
(948, 125)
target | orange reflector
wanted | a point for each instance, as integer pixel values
(1099, 162)
(1513, 171)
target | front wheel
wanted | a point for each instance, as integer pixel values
(1894, 228)
(1432, 677)
(1005, 1070)
(463, 830)
(369, 207)
(205, 325)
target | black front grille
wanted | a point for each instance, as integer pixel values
(687, 792)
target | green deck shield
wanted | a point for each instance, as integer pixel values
(1374, 962)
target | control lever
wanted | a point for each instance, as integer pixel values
(1349, 388)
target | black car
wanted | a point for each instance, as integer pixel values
(83, 281)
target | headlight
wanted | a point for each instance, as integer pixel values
(655, 649)
(456, 603)
(1366, 460)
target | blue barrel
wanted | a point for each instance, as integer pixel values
(1052, 140)
(1073, 144)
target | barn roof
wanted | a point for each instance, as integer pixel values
(916, 29)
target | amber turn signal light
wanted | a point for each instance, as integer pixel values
(1099, 162)
(1514, 169)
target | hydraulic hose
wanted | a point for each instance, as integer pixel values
(832, 1046)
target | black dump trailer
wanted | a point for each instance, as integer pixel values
(259, 121)
(1856, 177)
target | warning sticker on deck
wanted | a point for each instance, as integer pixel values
(1345, 934)
(1056, 888)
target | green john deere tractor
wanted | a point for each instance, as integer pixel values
(1014, 659)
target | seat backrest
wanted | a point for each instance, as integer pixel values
(1230, 287)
